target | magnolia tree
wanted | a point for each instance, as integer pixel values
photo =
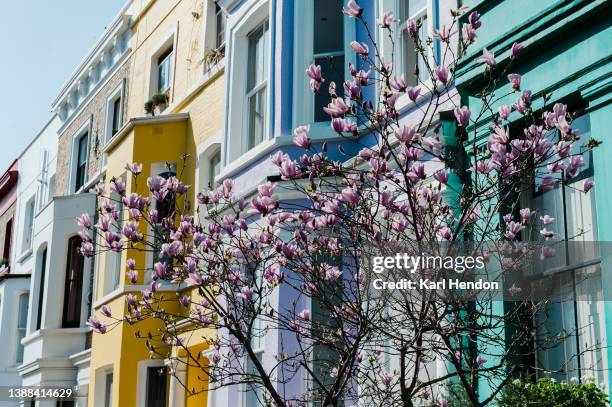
(301, 270)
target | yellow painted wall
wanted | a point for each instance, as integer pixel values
(202, 96)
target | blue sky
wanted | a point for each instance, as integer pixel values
(43, 41)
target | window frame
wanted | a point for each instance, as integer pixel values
(21, 330)
(83, 132)
(303, 97)
(28, 230)
(115, 95)
(254, 90)
(78, 297)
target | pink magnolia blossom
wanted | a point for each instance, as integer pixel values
(516, 50)
(413, 93)
(487, 58)
(387, 19)
(300, 137)
(352, 9)
(316, 80)
(360, 48)
(463, 116)
(442, 74)
(398, 83)
(134, 168)
(515, 80)
(474, 19)
(588, 185)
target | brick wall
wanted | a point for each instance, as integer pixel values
(95, 110)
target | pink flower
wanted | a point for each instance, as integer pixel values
(547, 219)
(515, 80)
(463, 116)
(314, 73)
(350, 195)
(106, 311)
(546, 252)
(512, 229)
(304, 315)
(118, 185)
(360, 48)
(84, 221)
(504, 111)
(441, 176)
(336, 108)
(588, 185)
(331, 273)
(398, 83)
(194, 279)
(412, 28)
(263, 205)
(300, 137)
(480, 360)
(87, 249)
(474, 19)
(96, 325)
(413, 93)
(341, 125)
(352, 9)
(444, 232)
(134, 168)
(155, 183)
(266, 189)
(441, 74)
(246, 293)
(469, 33)
(526, 214)
(547, 183)
(488, 58)
(289, 169)
(443, 34)
(516, 49)
(133, 276)
(387, 19)
(405, 134)
(185, 301)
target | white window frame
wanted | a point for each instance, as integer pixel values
(84, 130)
(303, 55)
(236, 119)
(142, 379)
(205, 154)
(19, 345)
(43, 180)
(167, 41)
(258, 87)
(28, 226)
(116, 94)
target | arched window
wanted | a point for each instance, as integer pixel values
(74, 285)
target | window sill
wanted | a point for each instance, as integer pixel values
(25, 255)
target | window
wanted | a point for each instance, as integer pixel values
(43, 188)
(214, 167)
(74, 285)
(8, 235)
(164, 70)
(108, 390)
(257, 82)
(81, 161)
(156, 386)
(116, 116)
(219, 27)
(328, 51)
(414, 10)
(576, 303)
(22, 322)
(28, 225)
(114, 113)
(254, 395)
(41, 288)
(64, 403)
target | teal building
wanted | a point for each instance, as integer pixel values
(567, 58)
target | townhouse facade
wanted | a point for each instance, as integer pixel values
(174, 125)
(13, 286)
(87, 111)
(565, 57)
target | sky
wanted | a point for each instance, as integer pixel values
(42, 43)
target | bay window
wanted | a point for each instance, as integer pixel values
(257, 84)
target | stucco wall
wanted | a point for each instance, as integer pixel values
(96, 111)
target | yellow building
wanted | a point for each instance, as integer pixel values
(176, 50)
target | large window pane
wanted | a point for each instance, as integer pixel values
(74, 285)
(257, 84)
(156, 386)
(329, 26)
(332, 69)
(257, 117)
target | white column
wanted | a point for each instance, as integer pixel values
(178, 381)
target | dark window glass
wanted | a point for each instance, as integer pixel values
(156, 386)
(328, 50)
(65, 403)
(81, 170)
(163, 71)
(41, 287)
(22, 322)
(116, 116)
(8, 233)
(220, 27)
(74, 285)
